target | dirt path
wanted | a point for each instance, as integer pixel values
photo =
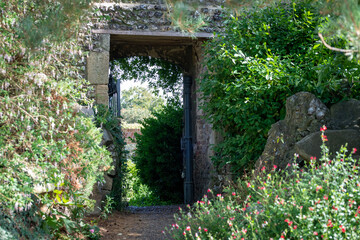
(138, 223)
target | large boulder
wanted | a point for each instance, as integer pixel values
(305, 114)
(300, 132)
(345, 115)
(310, 146)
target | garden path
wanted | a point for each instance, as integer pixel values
(145, 223)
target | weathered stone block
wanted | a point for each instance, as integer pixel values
(108, 183)
(107, 138)
(346, 114)
(101, 94)
(105, 42)
(310, 146)
(98, 195)
(97, 68)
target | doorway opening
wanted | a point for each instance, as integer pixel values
(152, 123)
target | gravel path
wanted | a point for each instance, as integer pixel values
(138, 223)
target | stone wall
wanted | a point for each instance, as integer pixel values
(153, 16)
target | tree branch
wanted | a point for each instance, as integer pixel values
(334, 48)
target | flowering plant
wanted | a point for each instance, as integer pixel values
(319, 201)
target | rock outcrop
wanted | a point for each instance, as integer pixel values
(300, 132)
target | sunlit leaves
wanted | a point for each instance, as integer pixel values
(264, 57)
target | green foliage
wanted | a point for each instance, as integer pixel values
(264, 57)
(184, 15)
(134, 115)
(107, 120)
(140, 97)
(137, 103)
(50, 156)
(344, 22)
(108, 207)
(321, 201)
(344, 17)
(47, 20)
(158, 155)
(12, 226)
(158, 73)
(138, 193)
(63, 226)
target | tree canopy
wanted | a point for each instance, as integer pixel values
(138, 103)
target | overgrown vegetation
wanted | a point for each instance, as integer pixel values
(138, 193)
(264, 57)
(320, 201)
(50, 156)
(158, 153)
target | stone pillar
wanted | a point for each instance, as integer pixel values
(97, 68)
(204, 135)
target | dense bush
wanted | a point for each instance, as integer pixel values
(320, 201)
(158, 154)
(261, 59)
(137, 192)
(50, 156)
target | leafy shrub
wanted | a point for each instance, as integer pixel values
(50, 156)
(158, 154)
(321, 201)
(12, 226)
(264, 57)
(138, 193)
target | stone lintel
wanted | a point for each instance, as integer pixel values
(169, 34)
